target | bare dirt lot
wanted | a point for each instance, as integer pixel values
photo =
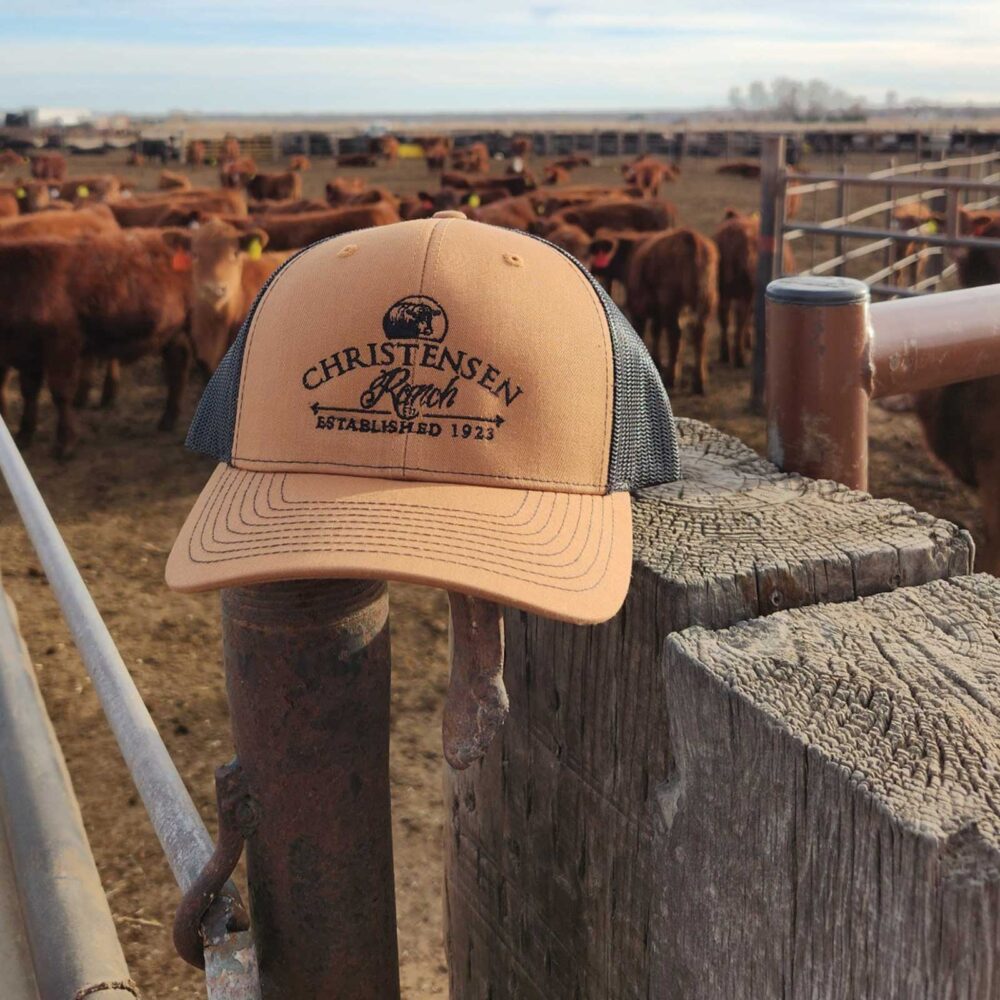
(119, 503)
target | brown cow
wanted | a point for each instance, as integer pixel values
(228, 269)
(170, 180)
(341, 190)
(436, 155)
(610, 254)
(48, 166)
(287, 205)
(114, 296)
(299, 162)
(286, 185)
(156, 212)
(508, 213)
(195, 154)
(671, 272)
(229, 150)
(572, 161)
(474, 159)
(572, 239)
(960, 421)
(750, 169)
(522, 145)
(9, 207)
(287, 232)
(736, 239)
(388, 147)
(556, 174)
(647, 174)
(66, 225)
(612, 213)
(8, 158)
(237, 173)
(356, 160)
(89, 188)
(31, 196)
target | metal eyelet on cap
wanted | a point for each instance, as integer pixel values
(348, 251)
(514, 259)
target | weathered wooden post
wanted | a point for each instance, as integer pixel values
(569, 844)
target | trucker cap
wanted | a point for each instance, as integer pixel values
(437, 401)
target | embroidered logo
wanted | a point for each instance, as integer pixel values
(417, 317)
(400, 392)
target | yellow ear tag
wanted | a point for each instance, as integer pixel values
(755, 215)
(254, 249)
(21, 193)
(930, 227)
(83, 191)
(475, 201)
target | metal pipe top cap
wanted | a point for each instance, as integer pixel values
(812, 290)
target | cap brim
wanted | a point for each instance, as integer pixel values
(562, 555)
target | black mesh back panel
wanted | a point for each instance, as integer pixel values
(643, 436)
(643, 433)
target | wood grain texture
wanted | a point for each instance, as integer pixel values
(833, 826)
(550, 887)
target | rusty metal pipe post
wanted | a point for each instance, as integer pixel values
(819, 377)
(307, 674)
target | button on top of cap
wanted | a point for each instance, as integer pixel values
(450, 213)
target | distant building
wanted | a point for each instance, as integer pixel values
(46, 117)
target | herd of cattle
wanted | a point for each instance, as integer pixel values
(94, 274)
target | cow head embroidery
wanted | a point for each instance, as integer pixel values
(416, 317)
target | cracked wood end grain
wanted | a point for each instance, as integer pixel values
(832, 823)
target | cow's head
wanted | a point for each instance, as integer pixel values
(216, 253)
(417, 317)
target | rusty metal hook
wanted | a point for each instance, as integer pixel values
(237, 821)
(477, 702)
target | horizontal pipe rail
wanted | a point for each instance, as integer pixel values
(180, 830)
(900, 236)
(867, 180)
(935, 340)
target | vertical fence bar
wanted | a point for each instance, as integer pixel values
(840, 213)
(818, 377)
(772, 166)
(307, 674)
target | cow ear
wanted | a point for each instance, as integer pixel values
(251, 239)
(177, 239)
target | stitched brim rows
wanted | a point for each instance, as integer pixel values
(563, 555)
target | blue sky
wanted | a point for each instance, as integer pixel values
(459, 55)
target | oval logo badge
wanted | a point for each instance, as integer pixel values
(416, 317)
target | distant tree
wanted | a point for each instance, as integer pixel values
(757, 96)
(795, 99)
(891, 99)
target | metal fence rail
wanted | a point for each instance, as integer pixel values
(230, 965)
(908, 262)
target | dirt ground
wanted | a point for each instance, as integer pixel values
(119, 504)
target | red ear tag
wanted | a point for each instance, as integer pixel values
(601, 259)
(181, 260)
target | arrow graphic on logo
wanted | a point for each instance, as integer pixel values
(315, 407)
(474, 420)
(497, 421)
